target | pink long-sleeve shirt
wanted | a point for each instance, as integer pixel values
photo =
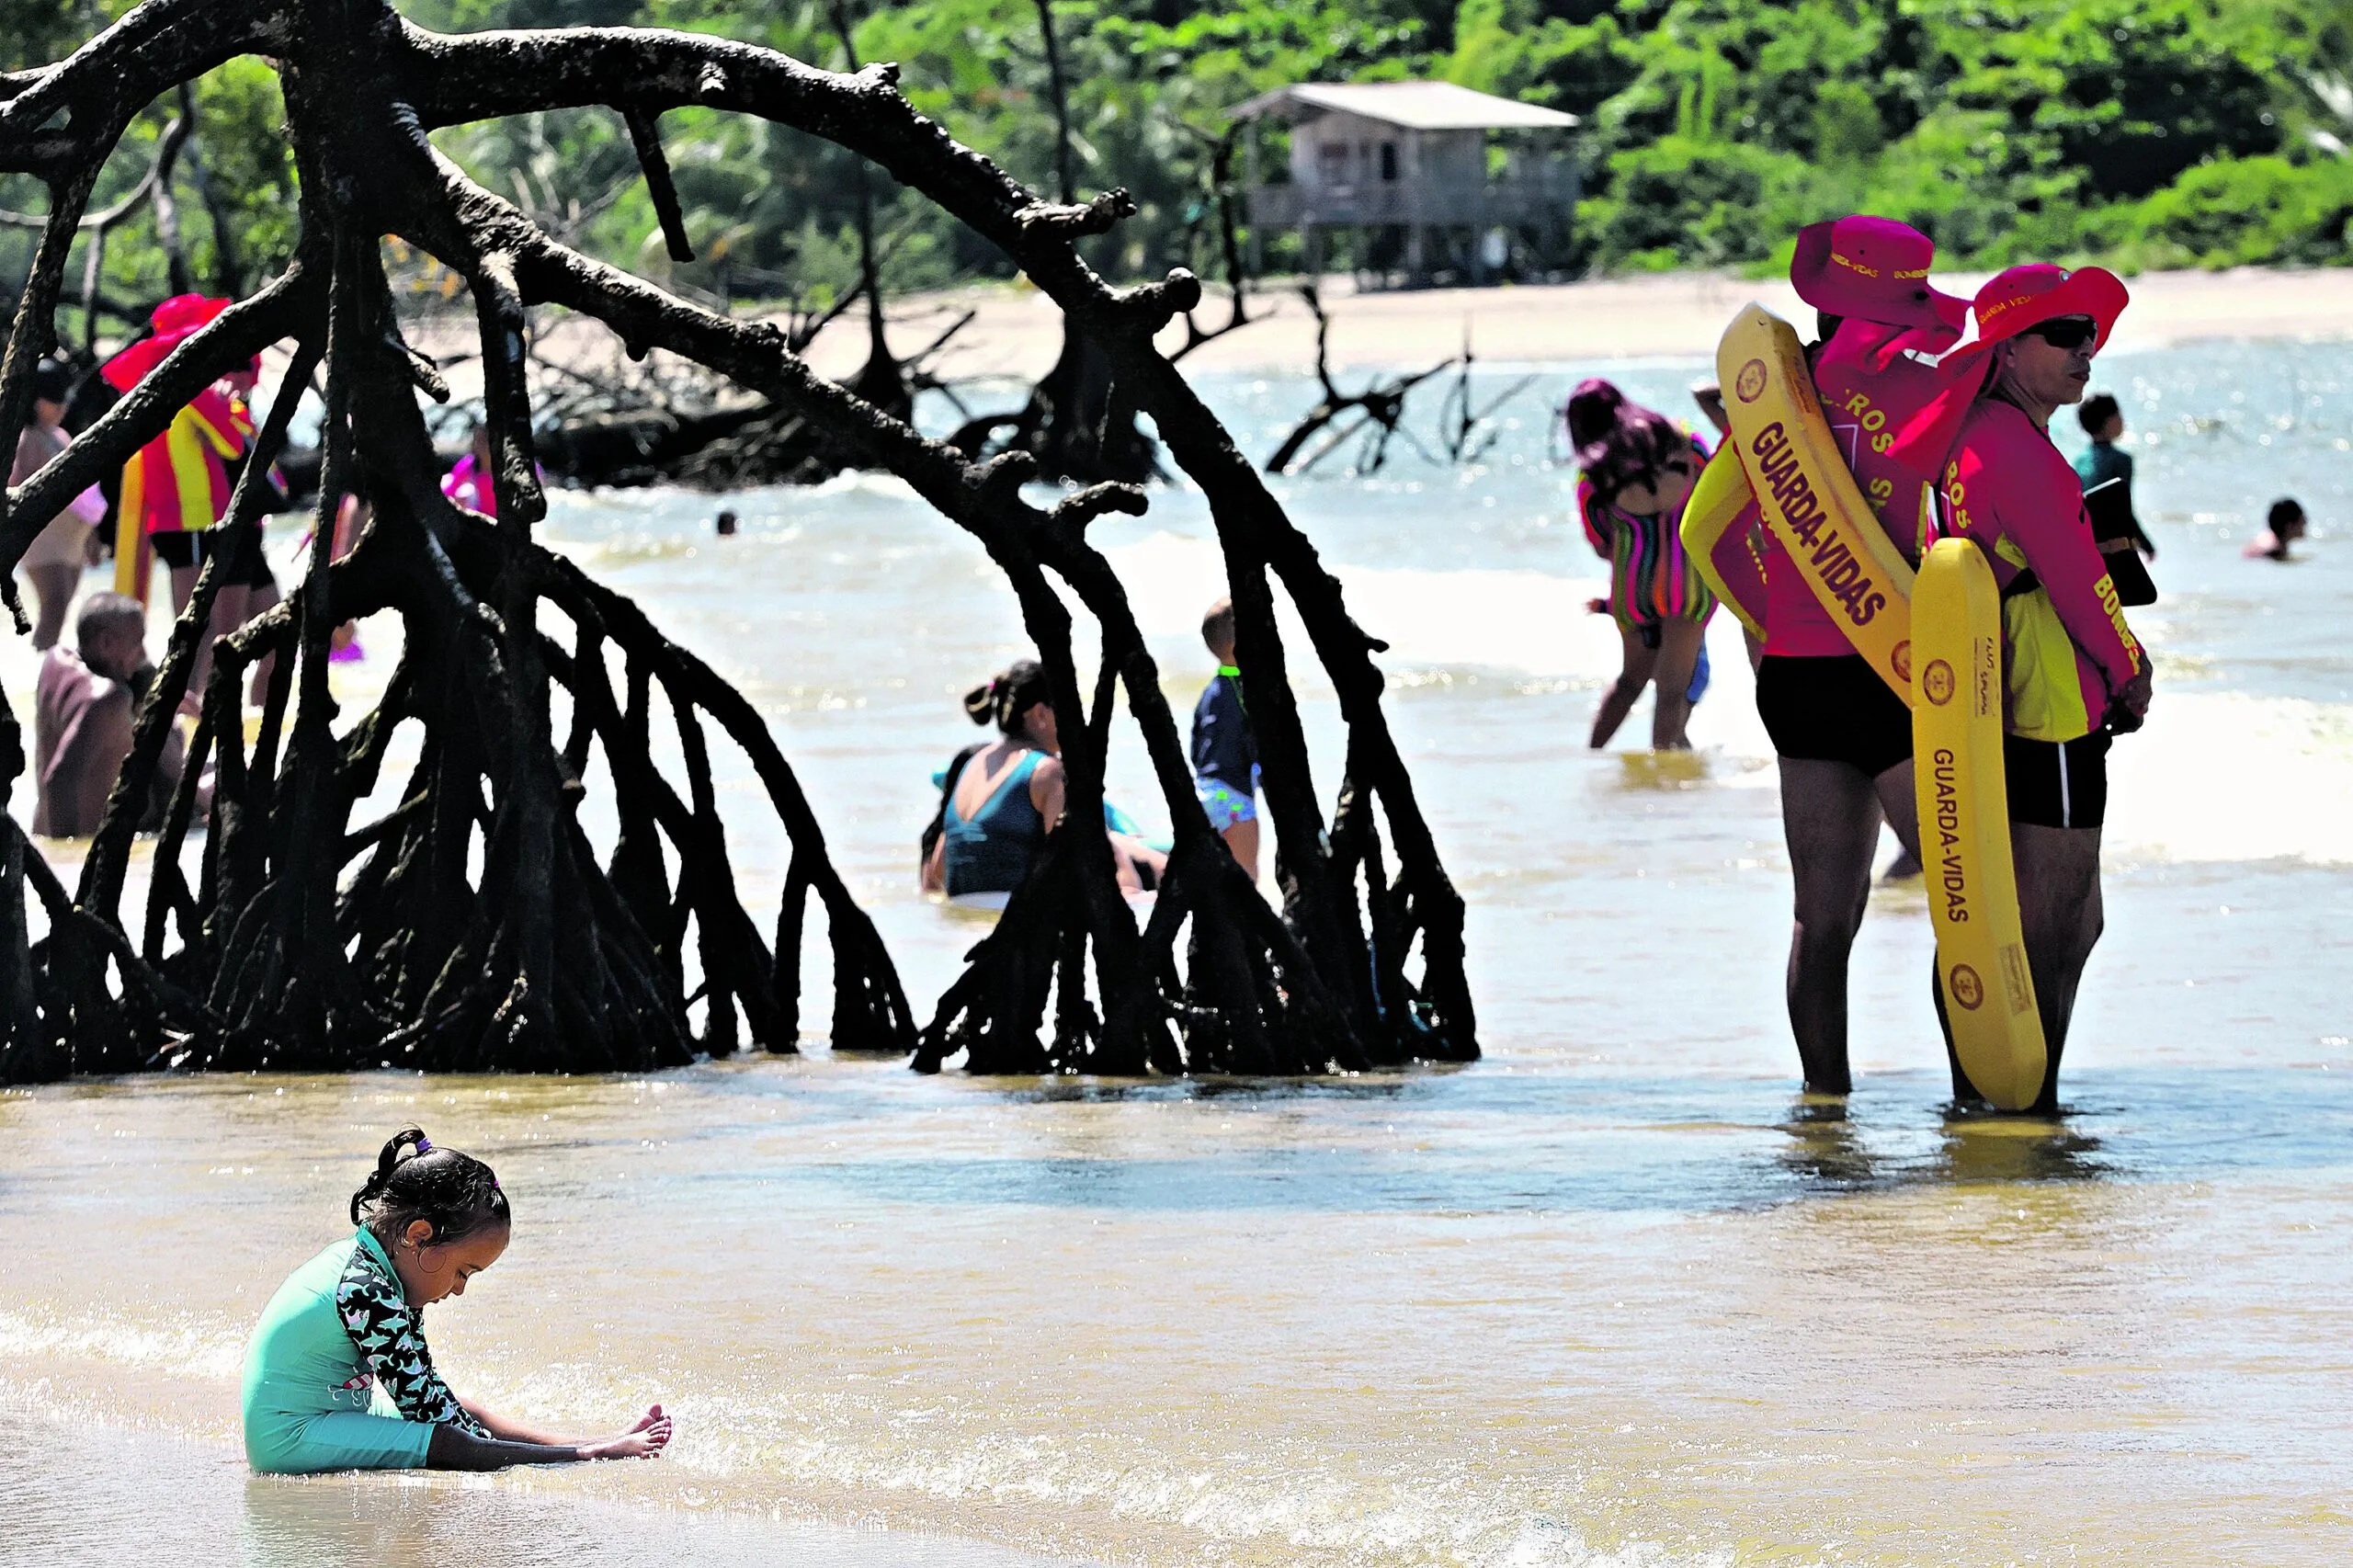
(1870, 387)
(2007, 490)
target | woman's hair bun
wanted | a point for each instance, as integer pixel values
(1005, 698)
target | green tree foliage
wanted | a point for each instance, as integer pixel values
(34, 32)
(239, 151)
(2148, 132)
(2003, 128)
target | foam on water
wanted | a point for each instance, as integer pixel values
(2226, 776)
(1524, 621)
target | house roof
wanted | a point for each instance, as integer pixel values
(1415, 106)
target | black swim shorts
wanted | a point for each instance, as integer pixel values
(181, 550)
(1833, 710)
(2057, 783)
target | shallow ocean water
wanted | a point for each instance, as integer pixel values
(1616, 1294)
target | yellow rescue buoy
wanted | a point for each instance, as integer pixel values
(1809, 497)
(1958, 777)
(1718, 499)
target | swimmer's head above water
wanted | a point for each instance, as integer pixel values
(440, 1215)
(2283, 526)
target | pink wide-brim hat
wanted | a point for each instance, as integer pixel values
(2008, 305)
(2013, 300)
(1872, 268)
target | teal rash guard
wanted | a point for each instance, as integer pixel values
(338, 1337)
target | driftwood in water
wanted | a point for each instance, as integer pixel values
(473, 924)
(1380, 407)
(626, 426)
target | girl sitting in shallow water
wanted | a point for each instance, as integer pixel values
(347, 1327)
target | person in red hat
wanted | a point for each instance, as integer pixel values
(1842, 738)
(176, 486)
(2076, 673)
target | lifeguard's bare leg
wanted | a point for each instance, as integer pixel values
(1830, 817)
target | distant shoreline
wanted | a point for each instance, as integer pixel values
(1016, 331)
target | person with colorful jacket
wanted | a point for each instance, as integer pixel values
(175, 488)
(2075, 673)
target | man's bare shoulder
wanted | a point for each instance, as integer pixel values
(62, 672)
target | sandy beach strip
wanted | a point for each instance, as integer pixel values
(1016, 331)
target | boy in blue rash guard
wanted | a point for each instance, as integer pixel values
(346, 1332)
(1225, 757)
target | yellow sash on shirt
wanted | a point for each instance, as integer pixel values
(1808, 495)
(1716, 503)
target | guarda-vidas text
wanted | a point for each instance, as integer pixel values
(1946, 774)
(1843, 574)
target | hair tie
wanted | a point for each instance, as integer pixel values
(424, 1145)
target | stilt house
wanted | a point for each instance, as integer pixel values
(1437, 176)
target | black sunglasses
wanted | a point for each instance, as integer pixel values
(2066, 332)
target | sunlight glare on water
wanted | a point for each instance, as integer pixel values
(1616, 1295)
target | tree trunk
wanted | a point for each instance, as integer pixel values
(472, 925)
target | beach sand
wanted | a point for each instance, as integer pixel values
(1016, 331)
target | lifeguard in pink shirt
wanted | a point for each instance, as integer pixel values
(1843, 739)
(2075, 673)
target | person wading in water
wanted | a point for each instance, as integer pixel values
(1842, 737)
(1638, 467)
(2075, 673)
(998, 800)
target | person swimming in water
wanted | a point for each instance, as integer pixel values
(999, 799)
(1638, 467)
(2282, 526)
(345, 1331)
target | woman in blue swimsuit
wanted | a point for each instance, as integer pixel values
(1001, 799)
(346, 1332)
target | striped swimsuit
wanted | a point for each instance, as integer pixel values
(1652, 580)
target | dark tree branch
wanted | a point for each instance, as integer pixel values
(443, 946)
(647, 139)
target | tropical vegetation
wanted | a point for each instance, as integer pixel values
(2147, 132)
